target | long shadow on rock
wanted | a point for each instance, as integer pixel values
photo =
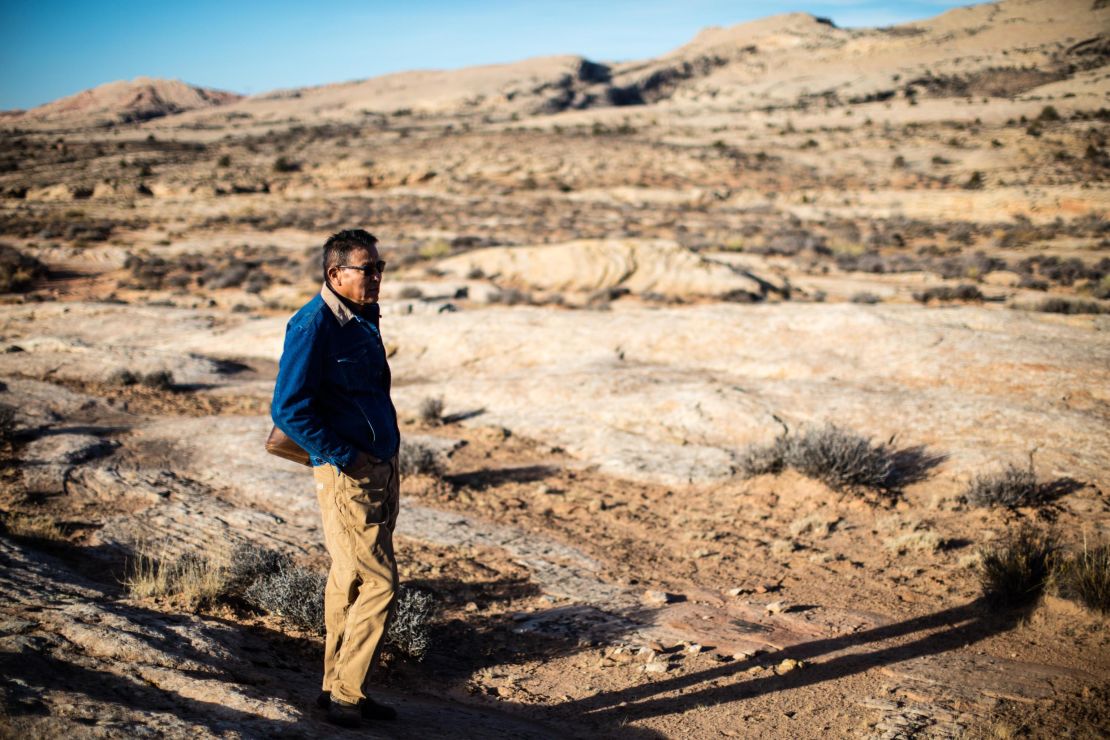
(483, 479)
(949, 629)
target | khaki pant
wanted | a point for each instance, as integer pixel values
(359, 515)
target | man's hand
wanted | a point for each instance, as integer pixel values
(359, 465)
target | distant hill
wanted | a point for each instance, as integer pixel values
(1003, 49)
(138, 100)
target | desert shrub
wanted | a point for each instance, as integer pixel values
(257, 282)
(1012, 487)
(18, 271)
(410, 628)
(789, 242)
(510, 297)
(948, 293)
(431, 411)
(7, 426)
(764, 459)
(224, 161)
(248, 562)
(1085, 577)
(161, 380)
(475, 273)
(411, 292)
(123, 376)
(1013, 571)
(841, 459)
(290, 591)
(417, 458)
(281, 164)
(225, 277)
(874, 262)
(1048, 113)
(975, 182)
(1069, 306)
(866, 298)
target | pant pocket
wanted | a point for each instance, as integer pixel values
(366, 494)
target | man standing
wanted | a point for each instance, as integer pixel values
(332, 398)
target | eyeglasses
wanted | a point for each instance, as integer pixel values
(374, 267)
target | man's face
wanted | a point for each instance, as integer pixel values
(360, 286)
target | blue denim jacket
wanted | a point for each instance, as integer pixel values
(332, 390)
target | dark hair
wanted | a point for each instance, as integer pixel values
(338, 247)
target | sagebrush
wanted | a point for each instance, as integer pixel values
(410, 629)
(1012, 487)
(417, 458)
(840, 458)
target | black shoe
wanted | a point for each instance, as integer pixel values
(343, 714)
(323, 700)
(371, 709)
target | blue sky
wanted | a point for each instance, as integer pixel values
(49, 49)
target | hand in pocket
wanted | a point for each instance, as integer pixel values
(367, 491)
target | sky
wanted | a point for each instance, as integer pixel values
(50, 49)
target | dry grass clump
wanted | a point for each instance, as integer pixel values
(431, 411)
(843, 460)
(417, 458)
(1012, 488)
(32, 527)
(1085, 577)
(197, 580)
(1013, 571)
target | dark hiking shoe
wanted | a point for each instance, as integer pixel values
(368, 708)
(373, 710)
(343, 714)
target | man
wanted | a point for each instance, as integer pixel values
(332, 398)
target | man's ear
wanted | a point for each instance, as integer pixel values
(333, 275)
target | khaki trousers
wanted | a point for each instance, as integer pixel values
(359, 512)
